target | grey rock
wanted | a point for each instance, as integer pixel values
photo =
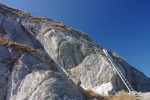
(26, 65)
(4, 73)
(67, 50)
(136, 78)
(49, 85)
(14, 53)
(4, 53)
(24, 81)
(64, 61)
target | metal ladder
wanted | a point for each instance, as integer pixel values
(121, 75)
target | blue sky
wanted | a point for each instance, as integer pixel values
(122, 26)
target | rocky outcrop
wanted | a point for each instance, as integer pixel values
(46, 85)
(42, 59)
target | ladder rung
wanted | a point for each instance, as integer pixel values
(121, 75)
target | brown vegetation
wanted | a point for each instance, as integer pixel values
(6, 9)
(60, 26)
(90, 95)
(18, 46)
(122, 96)
(46, 30)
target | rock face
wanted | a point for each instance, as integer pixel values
(42, 59)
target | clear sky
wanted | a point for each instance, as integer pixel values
(122, 26)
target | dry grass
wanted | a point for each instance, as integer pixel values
(90, 95)
(46, 30)
(18, 46)
(60, 26)
(6, 9)
(38, 19)
(123, 96)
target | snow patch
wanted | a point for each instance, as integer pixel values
(103, 89)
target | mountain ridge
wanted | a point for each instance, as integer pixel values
(61, 63)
